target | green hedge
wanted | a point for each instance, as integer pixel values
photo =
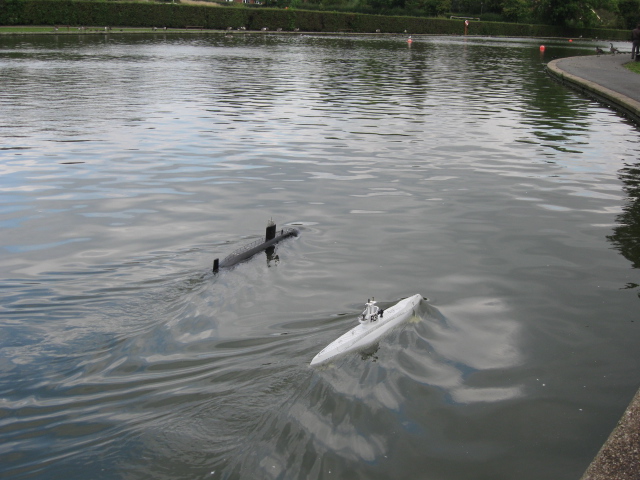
(129, 14)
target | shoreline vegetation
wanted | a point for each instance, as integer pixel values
(192, 16)
(67, 29)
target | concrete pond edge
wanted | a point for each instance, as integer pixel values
(623, 104)
(619, 457)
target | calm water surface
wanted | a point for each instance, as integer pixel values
(453, 168)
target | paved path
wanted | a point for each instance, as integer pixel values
(605, 78)
(619, 457)
(602, 77)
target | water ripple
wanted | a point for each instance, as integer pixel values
(453, 168)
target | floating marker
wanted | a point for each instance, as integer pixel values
(542, 48)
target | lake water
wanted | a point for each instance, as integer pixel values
(452, 167)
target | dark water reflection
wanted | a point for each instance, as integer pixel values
(453, 168)
(626, 236)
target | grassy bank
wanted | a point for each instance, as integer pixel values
(633, 66)
(71, 29)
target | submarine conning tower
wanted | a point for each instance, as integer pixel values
(271, 231)
(272, 236)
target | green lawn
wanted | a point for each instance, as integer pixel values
(633, 66)
(23, 29)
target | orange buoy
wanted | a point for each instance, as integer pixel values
(409, 40)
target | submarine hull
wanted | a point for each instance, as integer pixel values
(248, 251)
(367, 334)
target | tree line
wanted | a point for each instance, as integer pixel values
(571, 13)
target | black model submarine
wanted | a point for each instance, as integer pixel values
(272, 237)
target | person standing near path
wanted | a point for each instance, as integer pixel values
(635, 38)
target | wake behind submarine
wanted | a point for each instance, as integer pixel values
(244, 253)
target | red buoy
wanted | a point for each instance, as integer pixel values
(542, 48)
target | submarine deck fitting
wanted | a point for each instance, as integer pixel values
(247, 251)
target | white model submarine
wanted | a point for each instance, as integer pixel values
(374, 324)
(272, 236)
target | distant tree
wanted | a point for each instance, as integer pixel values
(517, 10)
(630, 12)
(466, 6)
(384, 6)
(494, 6)
(431, 8)
(477, 7)
(568, 12)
